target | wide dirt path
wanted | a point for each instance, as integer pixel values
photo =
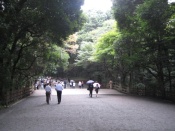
(110, 111)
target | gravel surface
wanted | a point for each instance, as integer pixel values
(110, 111)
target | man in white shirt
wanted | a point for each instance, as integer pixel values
(59, 88)
(48, 90)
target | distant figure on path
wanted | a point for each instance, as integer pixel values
(79, 84)
(91, 89)
(59, 89)
(97, 87)
(48, 93)
(65, 83)
(74, 84)
(110, 84)
(82, 84)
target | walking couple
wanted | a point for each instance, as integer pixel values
(91, 86)
(58, 87)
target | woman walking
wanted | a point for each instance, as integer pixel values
(80, 84)
(97, 87)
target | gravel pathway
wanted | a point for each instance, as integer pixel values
(110, 111)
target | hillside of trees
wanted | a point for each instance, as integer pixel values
(137, 53)
(97, 24)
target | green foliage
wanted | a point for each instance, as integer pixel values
(97, 23)
(146, 43)
(31, 32)
(140, 86)
(105, 46)
(154, 14)
(83, 58)
(55, 57)
(95, 19)
(88, 38)
(124, 12)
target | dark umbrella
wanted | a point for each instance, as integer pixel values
(89, 82)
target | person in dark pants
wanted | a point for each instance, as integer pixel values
(65, 84)
(90, 89)
(48, 92)
(59, 89)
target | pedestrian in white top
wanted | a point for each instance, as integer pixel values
(79, 84)
(48, 90)
(97, 87)
(59, 88)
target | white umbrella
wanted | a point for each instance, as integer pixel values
(89, 82)
(96, 84)
(72, 81)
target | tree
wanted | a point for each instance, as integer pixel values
(96, 25)
(55, 57)
(29, 28)
(127, 46)
(145, 25)
(154, 15)
(83, 57)
(105, 52)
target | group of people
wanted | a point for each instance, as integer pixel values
(42, 82)
(91, 86)
(97, 86)
(80, 84)
(73, 84)
(58, 87)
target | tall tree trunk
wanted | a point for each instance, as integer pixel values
(123, 80)
(160, 75)
(130, 81)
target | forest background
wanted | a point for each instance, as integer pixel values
(132, 44)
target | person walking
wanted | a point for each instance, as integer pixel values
(69, 80)
(110, 84)
(59, 89)
(79, 84)
(97, 87)
(74, 85)
(65, 83)
(82, 84)
(90, 89)
(48, 90)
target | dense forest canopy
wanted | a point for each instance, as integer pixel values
(147, 43)
(132, 44)
(32, 37)
(97, 24)
(139, 52)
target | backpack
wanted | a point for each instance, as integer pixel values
(90, 86)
